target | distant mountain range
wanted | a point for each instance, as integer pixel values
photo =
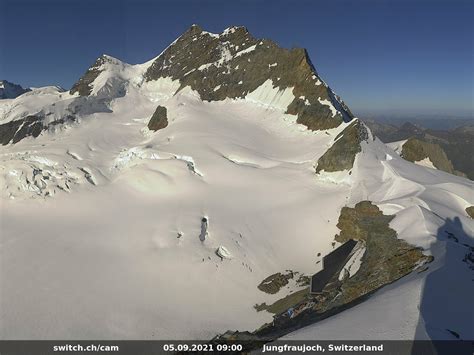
(10, 90)
(453, 143)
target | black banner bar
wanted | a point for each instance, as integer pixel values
(134, 347)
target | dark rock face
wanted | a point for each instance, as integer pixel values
(470, 211)
(83, 86)
(15, 131)
(415, 150)
(273, 283)
(10, 91)
(234, 63)
(342, 153)
(159, 119)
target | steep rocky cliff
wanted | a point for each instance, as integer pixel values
(234, 63)
(341, 155)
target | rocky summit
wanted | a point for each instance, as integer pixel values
(234, 63)
(230, 65)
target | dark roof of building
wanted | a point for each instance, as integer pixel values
(332, 263)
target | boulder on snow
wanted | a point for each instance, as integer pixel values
(159, 119)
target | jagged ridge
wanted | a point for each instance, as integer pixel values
(234, 63)
(10, 90)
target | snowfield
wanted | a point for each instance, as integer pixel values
(105, 260)
(100, 223)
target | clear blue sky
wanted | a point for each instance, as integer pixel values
(384, 57)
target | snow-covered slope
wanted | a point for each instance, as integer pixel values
(251, 174)
(110, 230)
(430, 212)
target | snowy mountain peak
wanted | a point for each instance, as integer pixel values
(234, 64)
(109, 59)
(112, 67)
(83, 86)
(231, 65)
(10, 90)
(196, 29)
(233, 29)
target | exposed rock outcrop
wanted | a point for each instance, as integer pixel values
(33, 125)
(14, 131)
(386, 258)
(159, 119)
(234, 63)
(273, 283)
(341, 155)
(83, 86)
(470, 211)
(415, 150)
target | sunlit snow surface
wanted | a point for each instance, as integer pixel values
(100, 223)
